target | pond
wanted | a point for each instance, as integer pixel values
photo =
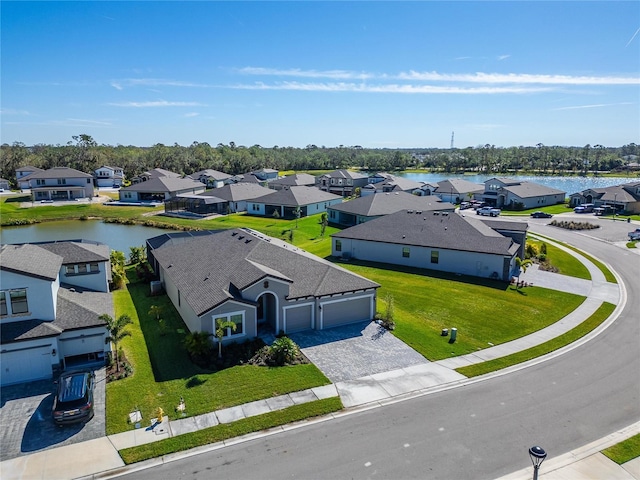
(117, 236)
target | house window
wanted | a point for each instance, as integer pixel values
(237, 318)
(435, 256)
(88, 180)
(39, 182)
(332, 213)
(406, 252)
(82, 268)
(19, 301)
(70, 269)
(338, 246)
(3, 303)
(62, 181)
(94, 267)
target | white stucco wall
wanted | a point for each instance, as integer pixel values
(97, 281)
(41, 295)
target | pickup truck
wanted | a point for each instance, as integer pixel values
(488, 211)
(635, 235)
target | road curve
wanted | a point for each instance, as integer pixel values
(479, 431)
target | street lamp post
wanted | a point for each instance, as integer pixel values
(615, 208)
(537, 455)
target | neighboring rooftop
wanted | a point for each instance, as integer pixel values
(296, 196)
(386, 203)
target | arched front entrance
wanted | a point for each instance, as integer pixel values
(268, 312)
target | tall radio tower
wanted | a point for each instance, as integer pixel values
(452, 140)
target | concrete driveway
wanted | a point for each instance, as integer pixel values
(355, 351)
(26, 425)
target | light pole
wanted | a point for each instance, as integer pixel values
(537, 455)
(615, 208)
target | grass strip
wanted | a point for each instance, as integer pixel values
(624, 451)
(231, 430)
(571, 336)
(608, 275)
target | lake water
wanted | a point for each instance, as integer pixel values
(118, 237)
(566, 184)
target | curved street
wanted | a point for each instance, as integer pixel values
(480, 430)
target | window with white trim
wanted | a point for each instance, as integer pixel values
(406, 252)
(435, 256)
(82, 268)
(237, 318)
(3, 303)
(70, 269)
(94, 267)
(19, 301)
(338, 246)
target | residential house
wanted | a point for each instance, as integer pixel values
(155, 173)
(22, 173)
(286, 202)
(211, 178)
(519, 195)
(247, 178)
(51, 298)
(363, 209)
(265, 174)
(387, 183)
(4, 184)
(341, 182)
(440, 241)
(295, 180)
(107, 176)
(60, 183)
(453, 190)
(160, 189)
(621, 198)
(257, 282)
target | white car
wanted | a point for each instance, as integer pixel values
(488, 211)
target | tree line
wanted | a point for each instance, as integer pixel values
(85, 154)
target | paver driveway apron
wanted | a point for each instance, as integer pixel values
(354, 351)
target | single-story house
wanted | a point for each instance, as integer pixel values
(236, 196)
(341, 182)
(22, 173)
(247, 178)
(387, 183)
(50, 308)
(60, 183)
(622, 198)
(265, 174)
(295, 180)
(155, 173)
(107, 176)
(441, 241)
(284, 202)
(257, 282)
(519, 195)
(454, 190)
(363, 209)
(160, 189)
(4, 184)
(211, 178)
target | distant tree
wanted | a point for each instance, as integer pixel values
(324, 221)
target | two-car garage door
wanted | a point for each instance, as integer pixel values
(345, 311)
(24, 365)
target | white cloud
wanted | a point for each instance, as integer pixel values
(296, 72)
(388, 88)
(503, 57)
(155, 82)
(157, 103)
(191, 114)
(596, 105)
(12, 111)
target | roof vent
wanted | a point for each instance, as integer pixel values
(409, 211)
(233, 234)
(436, 213)
(240, 237)
(445, 214)
(247, 240)
(418, 212)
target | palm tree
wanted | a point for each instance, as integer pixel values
(198, 345)
(155, 311)
(221, 328)
(522, 266)
(117, 331)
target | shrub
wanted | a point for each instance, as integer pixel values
(284, 350)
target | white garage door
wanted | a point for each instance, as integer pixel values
(81, 345)
(26, 365)
(348, 311)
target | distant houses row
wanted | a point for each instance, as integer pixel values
(265, 193)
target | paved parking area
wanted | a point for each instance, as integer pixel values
(26, 425)
(355, 351)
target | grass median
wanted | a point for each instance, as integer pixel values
(624, 451)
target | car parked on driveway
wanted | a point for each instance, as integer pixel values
(488, 211)
(73, 401)
(541, 214)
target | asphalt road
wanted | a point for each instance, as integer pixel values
(480, 431)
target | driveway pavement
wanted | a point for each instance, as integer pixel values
(355, 351)
(26, 425)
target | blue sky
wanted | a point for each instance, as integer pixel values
(375, 74)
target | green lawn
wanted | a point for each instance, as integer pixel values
(624, 451)
(484, 312)
(564, 263)
(163, 372)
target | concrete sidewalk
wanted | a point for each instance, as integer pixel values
(365, 392)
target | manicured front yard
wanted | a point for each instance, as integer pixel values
(163, 371)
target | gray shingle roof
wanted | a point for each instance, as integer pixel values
(238, 192)
(458, 186)
(342, 173)
(208, 269)
(59, 172)
(529, 189)
(386, 203)
(31, 260)
(297, 196)
(78, 252)
(298, 179)
(164, 184)
(432, 229)
(215, 174)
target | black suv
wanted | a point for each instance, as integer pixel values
(74, 398)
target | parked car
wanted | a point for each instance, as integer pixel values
(73, 401)
(584, 208)
(635, 235)
(488, 211)
(465, 205)
(541, 214)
